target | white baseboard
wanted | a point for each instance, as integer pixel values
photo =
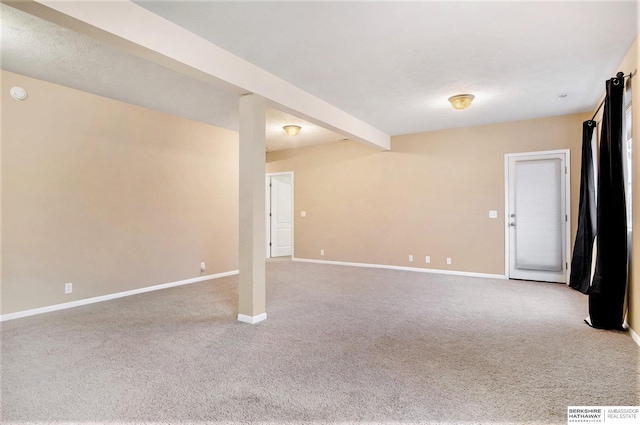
(252, 319)
(411, 269)
(634, 336)
(86, 301)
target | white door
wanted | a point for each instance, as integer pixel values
(537, 216)
(280, 215)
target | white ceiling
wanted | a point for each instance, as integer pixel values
(390, 64)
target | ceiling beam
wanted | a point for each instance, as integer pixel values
(154, 38)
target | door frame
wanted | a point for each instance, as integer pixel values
(567, 194)
(268, 210)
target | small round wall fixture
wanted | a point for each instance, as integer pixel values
(18, 93)
(461, 101)
(292, 130)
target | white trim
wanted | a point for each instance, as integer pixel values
(567, 179)
(634, 336)
(537, 153)
(568, 246)
(283, 173)
(506, 217)
(252, 319)
(86, 301)
(410, 269)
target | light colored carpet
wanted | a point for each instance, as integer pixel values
(341, 345)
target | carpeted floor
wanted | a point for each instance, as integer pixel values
(341, 345)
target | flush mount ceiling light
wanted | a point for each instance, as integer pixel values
(292, 130)
(461, 101)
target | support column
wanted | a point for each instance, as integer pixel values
(251, 304)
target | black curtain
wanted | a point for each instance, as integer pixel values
(606, 297)
(580, 279)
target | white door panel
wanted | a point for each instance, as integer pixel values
(283, 238)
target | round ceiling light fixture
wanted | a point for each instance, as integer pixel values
(18, 93)
(461, 101)
(292, 130)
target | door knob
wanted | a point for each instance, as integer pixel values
(512, 224)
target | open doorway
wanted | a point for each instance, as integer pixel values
(279, 214)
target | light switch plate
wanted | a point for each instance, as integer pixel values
(493, 214)
(303, 213)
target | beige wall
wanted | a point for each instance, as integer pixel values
(114, 197)
(430, 195)
(109, 196)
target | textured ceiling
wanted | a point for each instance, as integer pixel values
(310, 134)
(394, 64)
(391, 64)
(40, 49)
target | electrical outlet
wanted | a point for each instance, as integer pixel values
(68, 288)
(448, 260)
(203, 266)
(427, 259)
(303, 213)
(411, 258)
(322, 252)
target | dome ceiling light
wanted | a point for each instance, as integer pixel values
(461, 101)
(292, 130)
